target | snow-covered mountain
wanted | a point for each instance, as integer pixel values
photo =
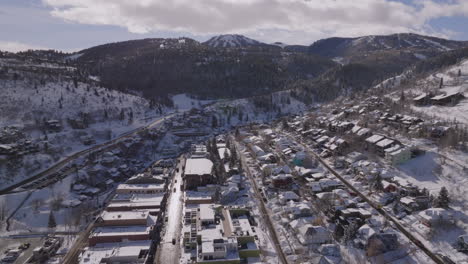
(342, 47)
(232, 41)
(49, 110)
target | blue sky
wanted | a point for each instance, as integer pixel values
(71, 25)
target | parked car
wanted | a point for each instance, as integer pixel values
(24, 246)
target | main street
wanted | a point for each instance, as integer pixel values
(167, 251)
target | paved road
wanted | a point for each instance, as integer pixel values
(13, 243)
(57, 166)
(390, 218)
(167, 252)
(263, 209)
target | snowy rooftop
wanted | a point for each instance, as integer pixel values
(141, 186)
(120, 230)
(198, 166)
(106, 250)
(109, 216)
(374, 139)
(138, 197)
(206, 212)
(384, 143)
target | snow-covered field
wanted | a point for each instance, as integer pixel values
(185, 102)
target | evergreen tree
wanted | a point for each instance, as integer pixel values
(233, 158)
(285, 124)
(240, 115)
(441, 83)
(443, 199)
(214, 122)
(378, 186)
(228, 143)
(459, 72)
(51, 223)
(226, 155)
(350, 231)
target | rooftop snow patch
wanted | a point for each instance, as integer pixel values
(198, 166)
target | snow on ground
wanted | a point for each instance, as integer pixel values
(33, 216)
(185, 102)
(250, 112)
(433, 171)
(458, 112)
(22, 103)
(391, 82)
(111, 113)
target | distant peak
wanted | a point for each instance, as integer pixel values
(232, 41)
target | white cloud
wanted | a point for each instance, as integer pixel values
(14, 46)
(296, 21)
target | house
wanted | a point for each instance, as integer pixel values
(298, 209)
(439, 131)
(360, 213)
(198, 172)
(310, 234)
(267, 158)
(422, 99)
(6, 149)
(329, 184)
(282, 181)
(356, 129)
(53, 125)
(299, 158)
(451, 98)
(258, 151)
(380, 243)
(353, 157)
(436, 216)
(363, 132)
(315, 187)
(281, 170)
(388, 186)
(413, 204)
(384, 144)
(372, 140)
(398, 156)
(285, 197)
(330, 250)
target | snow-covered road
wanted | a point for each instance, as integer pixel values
(169, 253)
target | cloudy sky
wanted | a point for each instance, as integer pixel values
(71, 25)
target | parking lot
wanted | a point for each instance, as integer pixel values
(14, 243)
